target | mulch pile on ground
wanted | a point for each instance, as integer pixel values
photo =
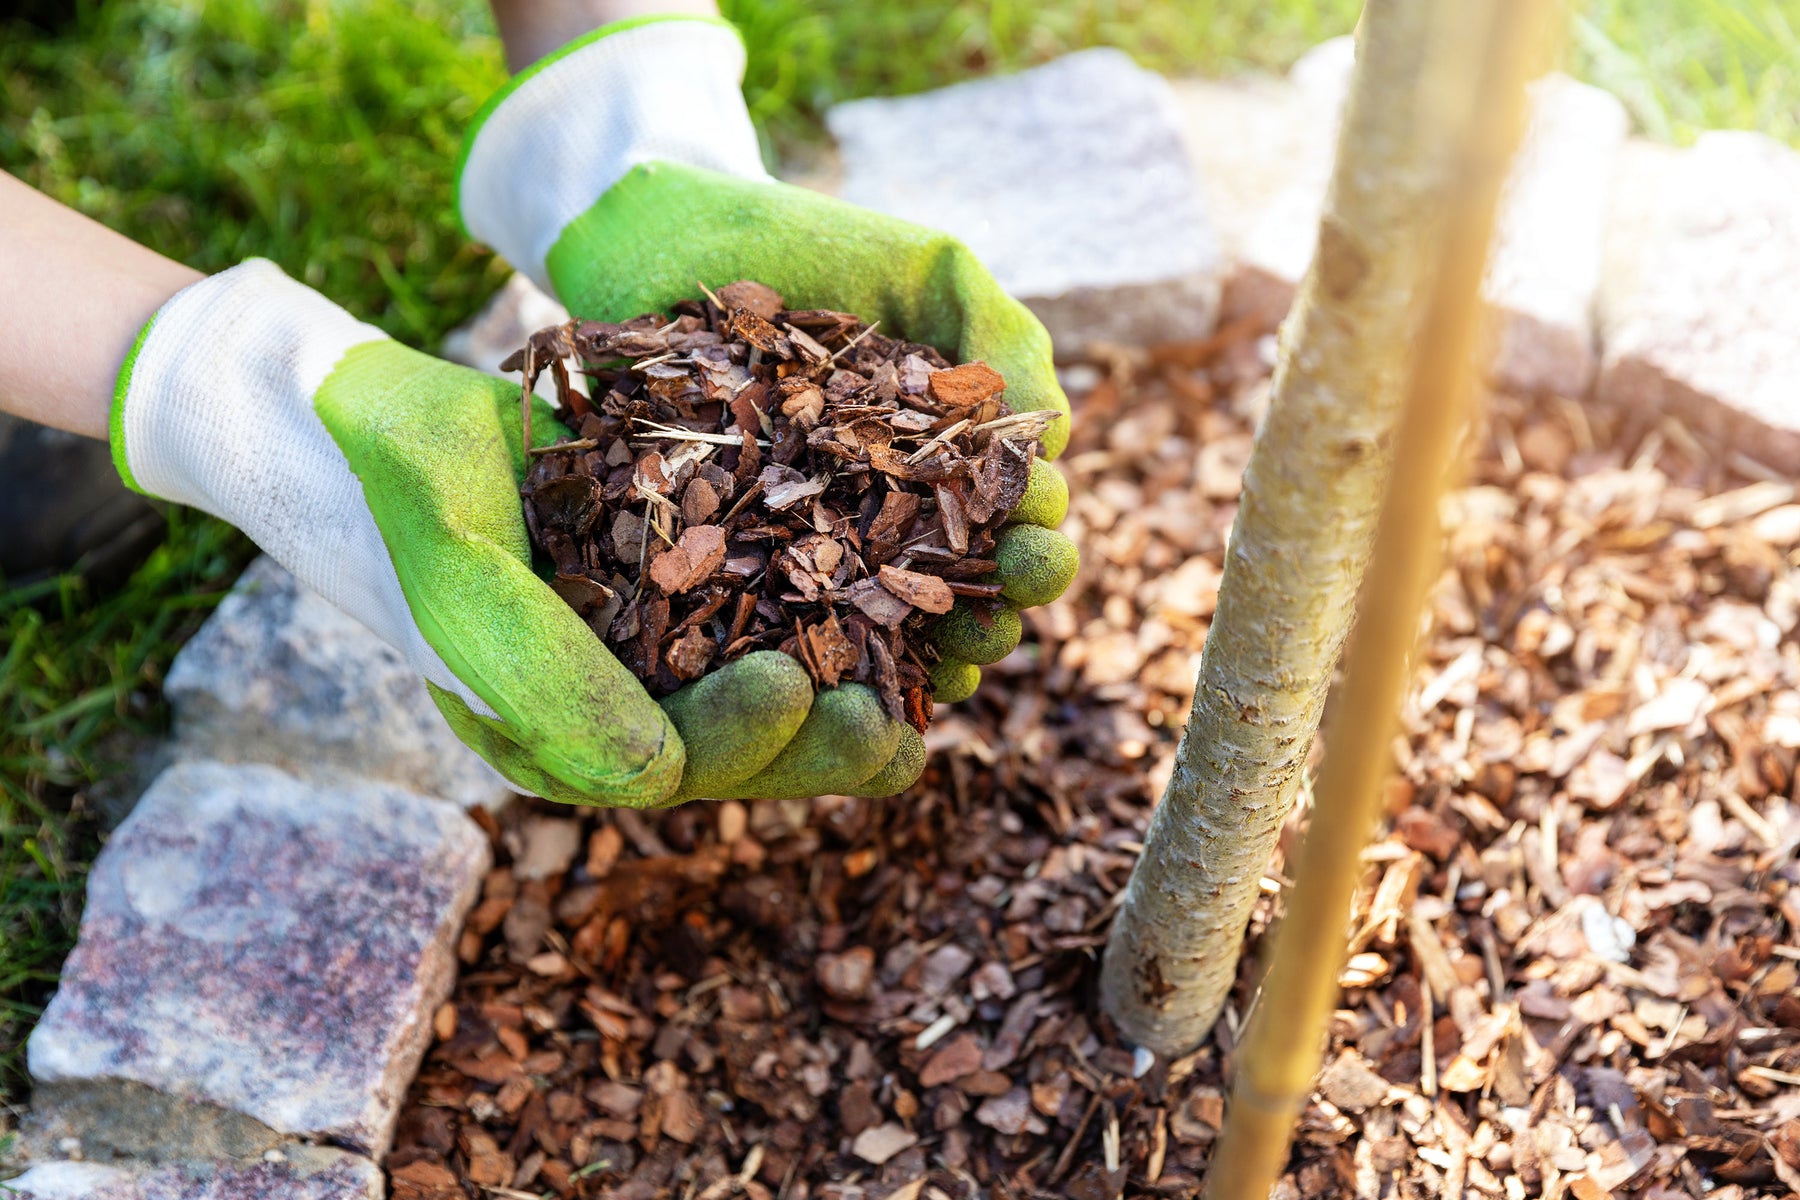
(1576, 952)
(754, 478)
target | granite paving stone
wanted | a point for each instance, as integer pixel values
(298, 1173)
(281, 675)
(1544, 271)
(1266, 189)
(268, 945)
(1248, 135)
(108, 1120)
(1069, 180)
(1700, 308)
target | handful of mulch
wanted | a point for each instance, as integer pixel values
(755, 478)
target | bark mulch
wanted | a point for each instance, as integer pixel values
(1576, 953)
(752, 478)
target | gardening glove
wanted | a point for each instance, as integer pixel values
(623, 171)
(388, 481)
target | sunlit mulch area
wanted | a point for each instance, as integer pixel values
(1576, 953)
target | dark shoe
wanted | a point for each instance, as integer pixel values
(63, 508)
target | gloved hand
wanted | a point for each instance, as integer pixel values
(388, 481)
(623, 171)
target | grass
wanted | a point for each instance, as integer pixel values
(806, 55)
(321, 135)
(1683, 66)
(313, 135)
(78, 678)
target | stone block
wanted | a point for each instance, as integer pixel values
(1700, 309)
(1267, 192)
(1266, 189)
(1247, 135)
(1069, 180)
(280, 675)
(108, 1120)
(1544, 270)
(268, 945)
(297, 1173)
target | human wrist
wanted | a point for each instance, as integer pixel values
(91, 291)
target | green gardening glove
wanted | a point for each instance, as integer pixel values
(658, 186)
(388, 481)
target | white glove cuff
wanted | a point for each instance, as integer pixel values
(215, 410)
(569, 128)
(221, 381)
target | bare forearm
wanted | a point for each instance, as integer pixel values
(530, 29)
(75, 296)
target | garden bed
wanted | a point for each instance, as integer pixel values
(1575, 953)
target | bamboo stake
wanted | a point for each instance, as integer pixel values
(1484, 50)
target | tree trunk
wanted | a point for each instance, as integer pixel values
(1298, 550)
(1493, 44)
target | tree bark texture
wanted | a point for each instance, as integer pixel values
(1298, 549)
(1493, 45)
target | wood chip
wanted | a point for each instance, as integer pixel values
(689, 562)
(927, 593)
(965, 386)
(881, 1143)
(1581, 975)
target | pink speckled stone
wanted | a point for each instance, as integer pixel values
(267, 945)
(311, 1173)
(1700, 310)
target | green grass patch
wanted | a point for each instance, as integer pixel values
(1685, 66)
(1680, 66)
(806, 55)
(319, 136)
(80, 680)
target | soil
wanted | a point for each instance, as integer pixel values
(1575, 955)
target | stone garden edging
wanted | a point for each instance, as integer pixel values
(265, 939)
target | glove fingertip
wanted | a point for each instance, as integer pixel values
(846, 739)
(902, 770)
(1046, 498)
(953, 680)
(962, 633)
(597, 785)
(1036, 564)
(734, 721)
(1056, 437)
